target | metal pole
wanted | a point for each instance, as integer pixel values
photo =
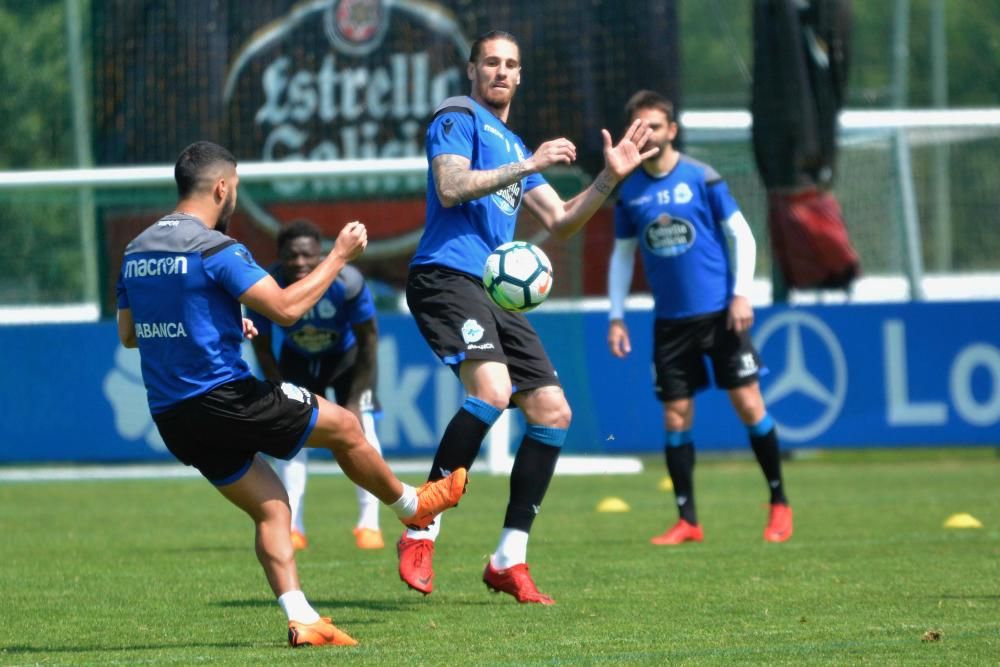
(909, 218)
(901, 54)
(81, 136)
(941, 184)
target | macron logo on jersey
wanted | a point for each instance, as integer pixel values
(161, 266)
(160, 330)
(489, 129)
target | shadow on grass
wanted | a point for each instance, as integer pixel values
(409, 603)
(322, 603)
(203, 548)
(104, 648)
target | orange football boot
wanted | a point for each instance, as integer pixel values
(321, 633)
(436, 497)
(299, 540)
(779, 523)
(368, 538)
(682, 531)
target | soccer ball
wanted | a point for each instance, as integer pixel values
(517, 276)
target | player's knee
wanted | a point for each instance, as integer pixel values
(274, 512)
(496, 395)
(548, 407)
(563, 416)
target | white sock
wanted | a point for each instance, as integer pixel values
(511, 550)
(297, 608)
(430, 534)
(293, 476)
(367, 510)
(407, 503)
(367, 503)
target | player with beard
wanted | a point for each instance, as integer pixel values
(179, 293)
(480, 175)
(699, 254)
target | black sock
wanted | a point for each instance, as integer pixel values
(534, 465)
(765, 448)
(680, 465)
(459, 445)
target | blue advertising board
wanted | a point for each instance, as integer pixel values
(838, 376)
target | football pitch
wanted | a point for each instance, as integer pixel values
(162, 572)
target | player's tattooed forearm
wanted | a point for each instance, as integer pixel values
(603, 184)
(459, 183)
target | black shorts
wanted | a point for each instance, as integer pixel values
(318, 373)
(220, 431)
(680, 348)
(459, 321)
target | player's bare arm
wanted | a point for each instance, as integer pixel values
(365, 366)
(564, 219)
(126, 328)
(456, 182)
(286, 306)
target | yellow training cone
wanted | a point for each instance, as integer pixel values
(612, 504)
(666, 484)
(962, 520)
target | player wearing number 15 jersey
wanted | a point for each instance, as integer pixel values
(698, 254)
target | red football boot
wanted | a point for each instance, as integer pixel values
(517, 581)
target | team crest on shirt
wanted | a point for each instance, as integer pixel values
(472, 331)
(326, 309)
(682, 193)
(669, 237)
(508, 199)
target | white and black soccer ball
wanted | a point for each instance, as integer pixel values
(518, 276)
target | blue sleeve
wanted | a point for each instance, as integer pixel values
(451, 133)
(533, 181)
(120, 294)
(234, 269)
(362, 307)
(624, 229)
(721, 202)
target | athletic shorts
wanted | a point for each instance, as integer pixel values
(219, 431)
(460, 322)
(681, 346)
(331, 370)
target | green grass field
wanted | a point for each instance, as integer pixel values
(163, 572)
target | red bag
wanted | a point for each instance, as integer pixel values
(810, 241)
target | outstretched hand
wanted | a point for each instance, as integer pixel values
(620, 160)
(351, 241)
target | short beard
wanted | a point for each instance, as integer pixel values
(222, 224)
(499, 105)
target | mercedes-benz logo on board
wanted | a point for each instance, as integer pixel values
(805, 392)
